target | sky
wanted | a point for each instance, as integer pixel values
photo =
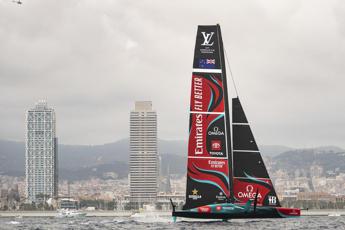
(91, 60)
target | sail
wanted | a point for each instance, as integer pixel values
(250, 174)
(208, 165)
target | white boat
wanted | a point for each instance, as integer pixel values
(334, 214)
(14, 222)
(63, 213)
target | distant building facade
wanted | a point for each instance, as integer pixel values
(143, 155)
(41, 154)
(68, 203)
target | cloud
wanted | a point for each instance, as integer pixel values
(92, 59)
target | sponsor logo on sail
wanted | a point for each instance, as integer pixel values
(216, 145)
(250, 188)
(221, 196)
(215, 132)
(199, 142)
(194, 195)
(272, 200)
(216, 163)
(216, 148)
(249, 193)
(207, 44)
(207, 39)
(197, 93)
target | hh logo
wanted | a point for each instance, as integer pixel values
(207, 38)
(216, 145)
(272, 200)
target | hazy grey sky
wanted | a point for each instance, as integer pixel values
(92, 59)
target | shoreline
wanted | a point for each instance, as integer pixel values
(7, 214)
(55, 213)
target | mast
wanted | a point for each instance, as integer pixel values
(227, 113)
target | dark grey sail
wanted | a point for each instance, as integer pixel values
(250, 173)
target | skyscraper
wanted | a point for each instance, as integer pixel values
(41, 154)
(143, 154)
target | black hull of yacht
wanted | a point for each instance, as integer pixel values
(260, 212)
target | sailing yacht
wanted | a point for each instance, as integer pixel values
(226, 176)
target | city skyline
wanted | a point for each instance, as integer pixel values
(286, 58)
(145, 113)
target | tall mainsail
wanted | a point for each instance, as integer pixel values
(250, 174)
(208, 179)
(226, 173)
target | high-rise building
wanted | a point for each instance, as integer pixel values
(41, 154)
(143, 154)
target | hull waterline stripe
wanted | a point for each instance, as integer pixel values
(207, 70)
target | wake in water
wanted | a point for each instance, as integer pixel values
(165, 222)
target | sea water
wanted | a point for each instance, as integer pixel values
(310, 222)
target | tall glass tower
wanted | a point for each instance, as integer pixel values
(41, 154)
(143, 154)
